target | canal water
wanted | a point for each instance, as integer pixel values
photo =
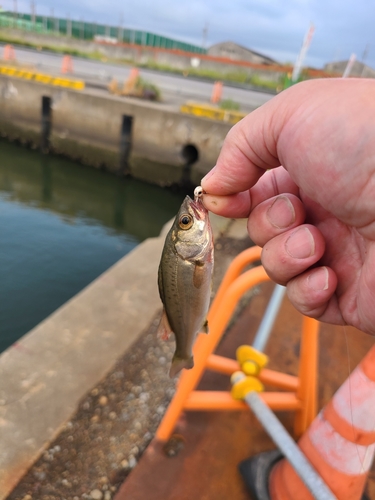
(61, 226)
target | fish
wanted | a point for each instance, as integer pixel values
(185, 277)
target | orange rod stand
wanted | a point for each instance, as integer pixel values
(233, 286)
(307, 389)
(266, 376)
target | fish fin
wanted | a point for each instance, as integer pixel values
(164, 329)
(199, 274)
(179, 363)
(205, 328)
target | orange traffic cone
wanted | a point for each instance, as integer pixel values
(67, 65)
(9, 54)
(131, 82)
(217, 92)
(340, 443)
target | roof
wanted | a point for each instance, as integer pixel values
(243, 48)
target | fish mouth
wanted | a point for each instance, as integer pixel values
(198, 208)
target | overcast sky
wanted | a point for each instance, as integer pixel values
(273, 27)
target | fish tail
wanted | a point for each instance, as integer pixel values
(179, 363)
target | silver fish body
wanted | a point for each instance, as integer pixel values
(185, 275)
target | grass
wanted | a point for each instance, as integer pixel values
(147, 88)
(229, 105)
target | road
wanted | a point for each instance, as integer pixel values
(175, 89)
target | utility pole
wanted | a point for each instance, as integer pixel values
(69, 26)
(365, 52)
(52, 20)
(32, 8)
(15, 11)
(82, 30)
(204, 38)
(364, 57)
(120, 34)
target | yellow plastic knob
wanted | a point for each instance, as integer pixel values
(251, 360)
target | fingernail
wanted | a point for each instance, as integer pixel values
(207, 176)
(300, 244)
(318, 280)
(281, 213)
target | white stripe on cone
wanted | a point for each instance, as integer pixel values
(344, 456)
(355, 401)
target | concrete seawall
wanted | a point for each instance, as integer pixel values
(165, 144)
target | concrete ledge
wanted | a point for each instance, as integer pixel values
(44, 375)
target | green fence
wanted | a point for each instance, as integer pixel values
(88, 31)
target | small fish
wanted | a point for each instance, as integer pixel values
(185, 275)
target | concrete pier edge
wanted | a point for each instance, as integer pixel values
(46, 373)
(88, 127)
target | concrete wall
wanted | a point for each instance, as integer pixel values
(86, 127)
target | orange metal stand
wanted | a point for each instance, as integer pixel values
(299, 392)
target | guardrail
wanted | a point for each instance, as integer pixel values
(27, 74)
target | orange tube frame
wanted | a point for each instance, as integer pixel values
(301, 395)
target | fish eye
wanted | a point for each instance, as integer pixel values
(186, 221)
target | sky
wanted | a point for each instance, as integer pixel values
(275, 28)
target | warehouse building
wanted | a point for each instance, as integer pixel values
(231, 50)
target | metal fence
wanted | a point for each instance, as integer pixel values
(90, 31)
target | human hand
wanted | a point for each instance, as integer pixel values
(314, 216)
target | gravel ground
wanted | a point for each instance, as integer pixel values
(116, 420)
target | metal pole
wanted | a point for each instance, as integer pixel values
(269, 317)
(286, 444)
(15, 12)
(69, 27)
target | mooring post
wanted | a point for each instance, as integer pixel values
(46, 124)
(125, 144)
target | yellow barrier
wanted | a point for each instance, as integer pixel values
(212, 112)
(42, 78)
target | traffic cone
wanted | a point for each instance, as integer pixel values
(217, 92)
(130, 84)
(340, 442)
(67, 65)
(9, 54)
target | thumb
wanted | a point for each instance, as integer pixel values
(248, 151)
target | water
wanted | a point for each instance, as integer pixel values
(61, 225)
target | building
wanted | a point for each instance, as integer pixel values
(359, 69)
(231, 50)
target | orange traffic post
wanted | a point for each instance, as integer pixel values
(340, 443)
(301, 392)
(67, 64)
(131, 82)
(217, 92)
(9, 54)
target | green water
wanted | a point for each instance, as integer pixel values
(61, 225)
